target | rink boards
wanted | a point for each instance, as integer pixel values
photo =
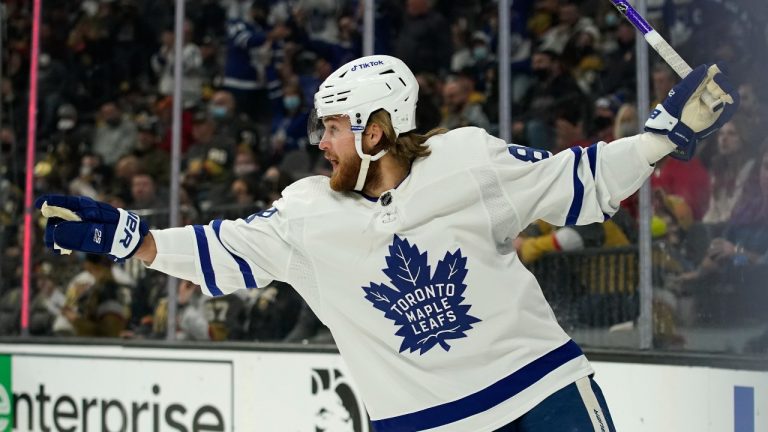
(98, 387)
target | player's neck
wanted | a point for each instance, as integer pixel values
(391, 173)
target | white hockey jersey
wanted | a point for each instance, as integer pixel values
(441, 325)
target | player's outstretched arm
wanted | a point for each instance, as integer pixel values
(684, 118)
(86, 225)
(221, 257)
(148, 250)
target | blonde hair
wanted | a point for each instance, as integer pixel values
(406, 147)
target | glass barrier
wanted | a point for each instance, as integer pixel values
(104, 131)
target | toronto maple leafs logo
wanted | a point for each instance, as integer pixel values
(427, 307)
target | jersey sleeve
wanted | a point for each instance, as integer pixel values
(226, 255)
(574, 187)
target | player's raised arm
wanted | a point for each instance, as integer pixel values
(580, 186)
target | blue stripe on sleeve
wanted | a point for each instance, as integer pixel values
(485, 399)
(205, 261)
(245, 269)
(592, 156)
(578, 189)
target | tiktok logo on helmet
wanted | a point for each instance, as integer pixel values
(367, 65)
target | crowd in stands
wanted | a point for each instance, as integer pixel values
(250, 72)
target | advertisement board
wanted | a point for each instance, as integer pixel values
(84, 391)
(648, 397)
(303, 392)
(114, 388)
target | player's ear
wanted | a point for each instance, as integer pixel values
(372, 135)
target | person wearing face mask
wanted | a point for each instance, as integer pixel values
(115, 135)
(552, 88)
(483, 61)
(89, 180)
(232, 124)
(288, 131)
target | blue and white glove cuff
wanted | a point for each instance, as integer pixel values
(128, 235)
(664, 123)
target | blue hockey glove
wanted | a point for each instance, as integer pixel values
(685, 118)
(82, 224)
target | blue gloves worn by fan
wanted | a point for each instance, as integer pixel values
(685, 118)
(85, 225)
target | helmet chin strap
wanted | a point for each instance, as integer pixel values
(365, 162)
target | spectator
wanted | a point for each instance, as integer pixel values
(620, 77)
(200, 318)
(273, 182)
(664, 78)
(226, 317)
(433, 51)
(46, 305)
(230, 124)
(569, 129)
(734, 264)
(192, 60)
(274, 313)
(99, 310)
(730, 171)
(243, 192)
(208, 162)
(604, 118)
(90, 179)
(115, 135)
(570, 24)
(191, 321)
(248, 54)
(152, 159)
(164, 112)
(458, 111)
(553, 87)
(125, 168)
(289, 123)
(428, 115)
(688, 180)
(144, 193)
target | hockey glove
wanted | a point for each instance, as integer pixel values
(85, 225)
(685, 119)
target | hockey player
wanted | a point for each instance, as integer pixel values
(406, 251)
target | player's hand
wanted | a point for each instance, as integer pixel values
(685, 118)
(85, 225)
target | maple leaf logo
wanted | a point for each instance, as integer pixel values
(428, 308)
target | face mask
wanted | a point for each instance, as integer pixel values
(479, 52)
(85, 171)
(601, 123)
(65, 124)
(291, 102)
(113, 122)
(218, 111)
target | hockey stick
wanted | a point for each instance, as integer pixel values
(661, 46)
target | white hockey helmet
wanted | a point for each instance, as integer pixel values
(361, 87)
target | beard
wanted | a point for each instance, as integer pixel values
(344, 178)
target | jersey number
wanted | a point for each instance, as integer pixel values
(527, 154)
(268, 213)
